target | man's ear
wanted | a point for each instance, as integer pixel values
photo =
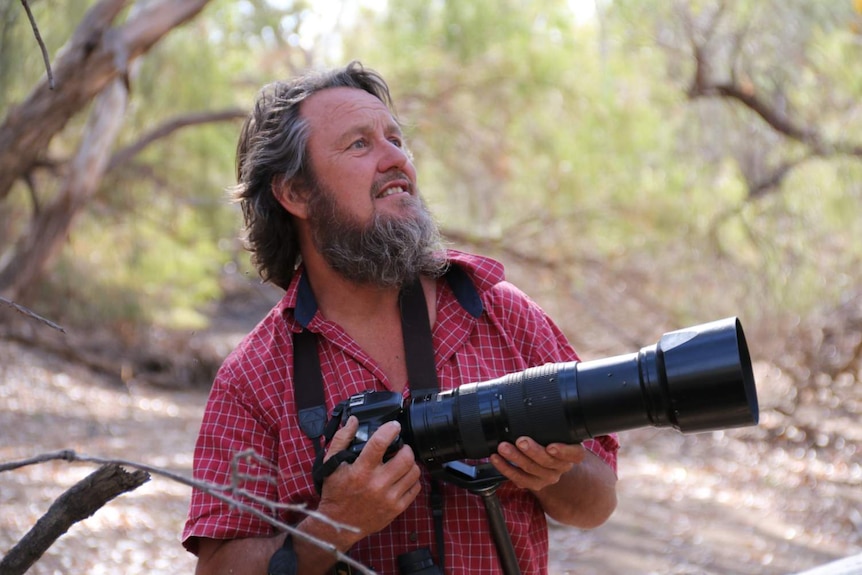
(291, 198)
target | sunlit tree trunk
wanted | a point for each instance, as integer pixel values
(49, 230)
(96, 59)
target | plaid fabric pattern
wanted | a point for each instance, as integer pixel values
(251, 406)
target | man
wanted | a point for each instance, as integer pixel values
(333, 214)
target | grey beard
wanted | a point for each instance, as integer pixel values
(388, 252)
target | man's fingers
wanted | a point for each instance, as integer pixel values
(532, 466)
(570, 453)
(554, 456)
(343, 437)
(380, 442)
(407, 484)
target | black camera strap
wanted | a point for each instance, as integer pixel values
(418, 345)
(421, 373)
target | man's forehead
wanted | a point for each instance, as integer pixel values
(337, 105)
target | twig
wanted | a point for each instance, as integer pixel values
(23, 310)
(220, 493)
(45, 56)
(65, 455)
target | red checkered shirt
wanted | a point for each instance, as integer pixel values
(251, 406)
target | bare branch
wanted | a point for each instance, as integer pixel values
(171, 126)
(23, 310)
(79, 502)
(42, 47)
(64, 455)
(220, 492)
(703, 85)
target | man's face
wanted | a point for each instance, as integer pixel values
(357, 151)
(366, 217)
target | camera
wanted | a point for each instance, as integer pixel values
(694, 379)
(418, 562)
(373, 409)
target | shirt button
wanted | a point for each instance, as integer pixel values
(414, 537)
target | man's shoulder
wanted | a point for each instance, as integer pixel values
(487, 278)
(269, 339)
(484, 272)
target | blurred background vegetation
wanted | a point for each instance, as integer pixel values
(638, 165)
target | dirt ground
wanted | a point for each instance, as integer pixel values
(771, 500)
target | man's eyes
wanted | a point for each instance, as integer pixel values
(362, 143)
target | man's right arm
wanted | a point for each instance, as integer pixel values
(251, 555)
(369, 492)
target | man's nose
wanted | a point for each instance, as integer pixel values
(393, 156)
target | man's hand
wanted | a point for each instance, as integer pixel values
(368, 493)
(531, 466)
(572, 484)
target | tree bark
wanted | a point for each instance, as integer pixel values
(78, 503)
(96, 61)
(50, 228)
(96, 54)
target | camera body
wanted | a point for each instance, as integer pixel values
(373, 409)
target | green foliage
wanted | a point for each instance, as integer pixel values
(147, 248)
(573, 134)
(576, 141)
(571, 141)
(21, 63)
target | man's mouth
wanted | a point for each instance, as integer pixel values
(391, 191)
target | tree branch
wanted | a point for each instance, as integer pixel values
(230, 494)
(96, 54)
(773, 180)
(124, 155)
(41, 43)
(703, 86)
(29, 313)
(78, 503)
(779, 122)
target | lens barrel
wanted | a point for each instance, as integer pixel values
(694, 379)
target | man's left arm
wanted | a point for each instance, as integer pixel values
(573, 485)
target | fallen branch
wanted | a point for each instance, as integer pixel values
(229, 494)
(78, 503)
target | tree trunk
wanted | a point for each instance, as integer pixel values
(96, 55)
(50, 229)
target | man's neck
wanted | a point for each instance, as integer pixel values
(343, 300)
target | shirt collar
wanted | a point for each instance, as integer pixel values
(464, 290)
(306, 304)
(468, 275)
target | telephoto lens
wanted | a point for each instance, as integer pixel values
(694, 379)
